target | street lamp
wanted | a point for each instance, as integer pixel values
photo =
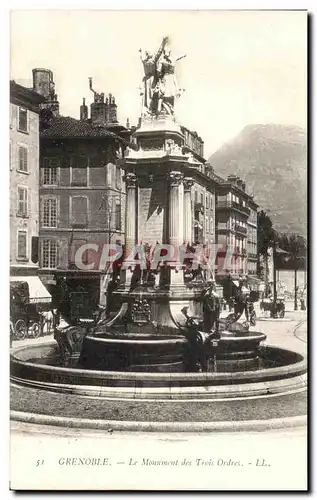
(276, 250)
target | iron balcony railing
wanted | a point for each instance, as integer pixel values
(233, 204)
(240, 229)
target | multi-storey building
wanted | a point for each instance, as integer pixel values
(233, 215)
(24, 190)
(202, 191)
(252, 238)
(82, 193)
(24, 179)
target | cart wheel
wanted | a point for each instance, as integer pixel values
(35, 330)
(20, 329)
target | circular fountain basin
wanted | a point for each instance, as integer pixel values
(239, 350)
(279, 371)
(142, 352)
(134, 352)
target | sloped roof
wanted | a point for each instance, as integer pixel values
(62, 127)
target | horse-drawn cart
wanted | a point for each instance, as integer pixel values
(27, 304)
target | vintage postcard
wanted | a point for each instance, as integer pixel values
(158, 250)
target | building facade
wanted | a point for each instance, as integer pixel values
(252, 243)
(24, 180)
(202, 191)
(82, 192)
(236, 227)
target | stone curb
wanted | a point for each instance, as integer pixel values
(117, 425)
(276, 320)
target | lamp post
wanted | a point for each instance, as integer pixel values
(296, 288)
(274, 305)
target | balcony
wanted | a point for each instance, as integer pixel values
(233, 205)
(240, 251)
(224, 226)
(240, 229)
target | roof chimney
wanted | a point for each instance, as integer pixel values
(84, 111)
(44, 85)
(98, 109)
(112, 109)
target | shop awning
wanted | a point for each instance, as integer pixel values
(37, 291)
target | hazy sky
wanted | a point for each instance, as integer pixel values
(241, 67)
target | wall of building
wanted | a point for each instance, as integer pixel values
(232, 219)
(204, 194)
(252, 244)
(29, 179)
(86, 211)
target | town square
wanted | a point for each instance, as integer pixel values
(158, 272)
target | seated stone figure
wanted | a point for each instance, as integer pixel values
(201, 344)
(69, 339)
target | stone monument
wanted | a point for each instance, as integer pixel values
(158, 207)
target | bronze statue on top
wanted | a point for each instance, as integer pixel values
(160, 84)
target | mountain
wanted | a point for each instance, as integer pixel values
(272, 159)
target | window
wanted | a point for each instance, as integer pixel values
(22, 201)
(118, 216)
(201, 198)
(35, 249)
(23, 120)
(50, 171)
(23, 159)
(207, 202)
(50, 212)
(79, 171)
(196, 197)
(49, 254)
(22, 242)
(79, 211)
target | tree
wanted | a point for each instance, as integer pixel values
(266, 237)
(266, 233)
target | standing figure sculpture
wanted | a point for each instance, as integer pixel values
(159, 81)
(211, 307)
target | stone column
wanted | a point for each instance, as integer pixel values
(175, 211)
(130, 212)
(188, 216)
